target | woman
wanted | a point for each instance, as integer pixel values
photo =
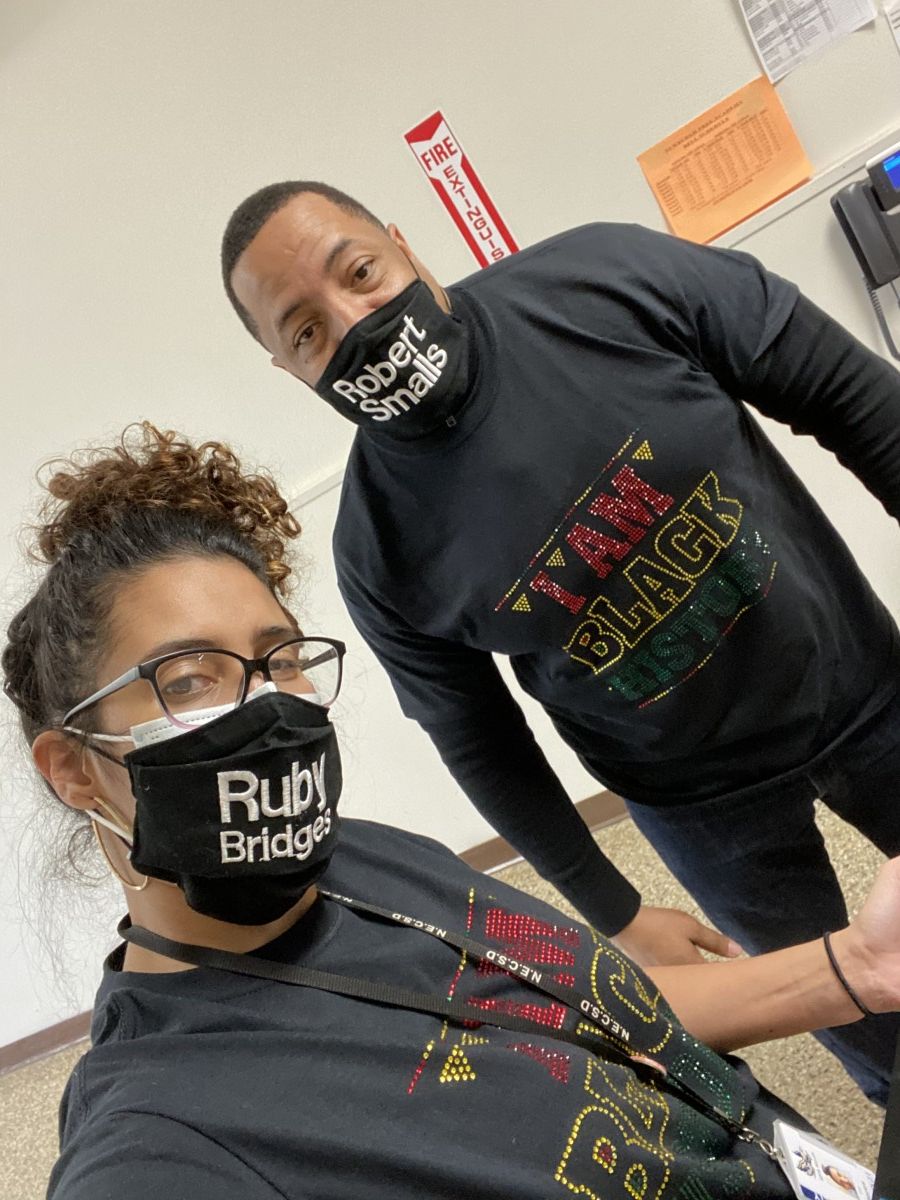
(463, 1039)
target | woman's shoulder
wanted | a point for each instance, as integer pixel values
(137, 1154)
(403, 868)
(358, 834)
(421, 877)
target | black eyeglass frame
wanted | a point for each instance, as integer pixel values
(147, 670)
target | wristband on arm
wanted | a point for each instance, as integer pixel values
(866, 1012)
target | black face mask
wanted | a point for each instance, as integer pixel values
(241, 812)
(403, 369)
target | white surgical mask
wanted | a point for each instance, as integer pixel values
(160, 729)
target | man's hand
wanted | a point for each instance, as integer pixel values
(667, 937)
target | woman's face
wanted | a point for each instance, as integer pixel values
(186, 603)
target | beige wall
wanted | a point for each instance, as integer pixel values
(129, 131)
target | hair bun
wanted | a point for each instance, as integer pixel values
(153, 469)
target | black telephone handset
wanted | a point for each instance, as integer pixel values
(869, 214)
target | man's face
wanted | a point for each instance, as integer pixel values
(311, 273)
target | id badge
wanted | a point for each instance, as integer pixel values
(816, 1170)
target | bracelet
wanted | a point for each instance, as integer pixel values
(866, 1012)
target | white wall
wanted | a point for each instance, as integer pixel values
(130, 130)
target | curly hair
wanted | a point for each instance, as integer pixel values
(110, 513)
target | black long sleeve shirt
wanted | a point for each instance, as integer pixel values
(607, 513)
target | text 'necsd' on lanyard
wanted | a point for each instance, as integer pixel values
(569, 996)
(596, 1041)
(575, 1000)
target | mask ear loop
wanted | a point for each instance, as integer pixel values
(421, 280)
(96, 821)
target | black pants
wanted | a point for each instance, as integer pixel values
(757, 865)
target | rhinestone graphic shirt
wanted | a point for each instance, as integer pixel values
(607, 512)
(214, 1086)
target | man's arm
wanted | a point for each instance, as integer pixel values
(817, 378)
(767, 344)
(491, 753)
(734, 1004)
(459, 697)
(494, 758)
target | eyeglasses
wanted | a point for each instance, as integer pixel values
(184, 681)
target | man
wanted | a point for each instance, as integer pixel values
(553, 463)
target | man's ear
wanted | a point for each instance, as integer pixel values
(398, 239)
(419, 267)
(60, 759)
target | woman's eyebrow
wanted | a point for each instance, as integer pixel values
(286, 631)
(200, 643)
(196, 643)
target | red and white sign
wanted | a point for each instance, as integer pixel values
(461, 191)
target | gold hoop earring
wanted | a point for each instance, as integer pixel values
(131, 887)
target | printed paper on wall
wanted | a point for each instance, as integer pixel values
(787, 32)
(892, 15)
(726, 164)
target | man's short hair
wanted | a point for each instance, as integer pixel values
(251, 214)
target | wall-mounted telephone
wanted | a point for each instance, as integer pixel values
(869, 214)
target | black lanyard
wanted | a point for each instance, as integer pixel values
(598, 1034)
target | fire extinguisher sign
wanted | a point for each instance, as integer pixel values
(460, 190)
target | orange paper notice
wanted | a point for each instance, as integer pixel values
(727, 164)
